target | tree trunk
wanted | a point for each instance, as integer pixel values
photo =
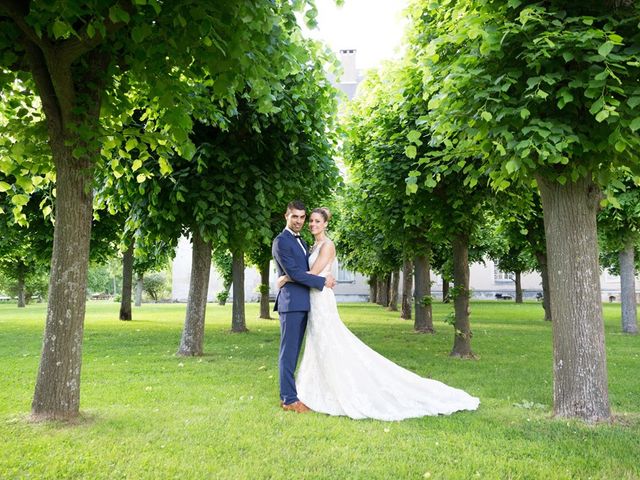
(192, 341)
(423, 322)
(127, 283)
(373, 289)
(238, 321)
(264, 291)
(462, 326)
(57, 390)
(445, 290)
(70, 89)
(394, 287)
(628, 289)
(21, 289)
(580, 365)
(518, 281)
(383, 290)
(407, 288)
(546, 292)
(139, 289)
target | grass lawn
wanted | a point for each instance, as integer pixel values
(150, 415)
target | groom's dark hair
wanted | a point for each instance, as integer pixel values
(296, 205)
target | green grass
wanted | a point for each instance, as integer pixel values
(150, 415)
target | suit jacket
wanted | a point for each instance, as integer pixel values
(291, 260)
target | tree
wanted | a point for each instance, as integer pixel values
(544, 91)
(375, 125)
(619, 229)
(25, 250)
(90, 63)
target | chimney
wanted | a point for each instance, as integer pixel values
(348, 59)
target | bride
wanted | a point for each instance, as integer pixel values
(340, 375)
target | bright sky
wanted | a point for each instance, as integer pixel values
(373, 27)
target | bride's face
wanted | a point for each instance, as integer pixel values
(317, 224)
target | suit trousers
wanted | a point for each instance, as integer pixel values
(292, 328)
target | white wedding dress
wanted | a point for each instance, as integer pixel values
(340, 375)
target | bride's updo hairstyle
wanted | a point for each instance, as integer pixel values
(324, 212)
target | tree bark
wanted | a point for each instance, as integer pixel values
(423, 322)
(192, 341)
(445, 290)
(127, 284)
(373, 289)
(22, 303)
(407, 289)
(462, 326)
(238, 319)
(57, 390)
(139, 289)
(580, 366)
(518, 282)
(71, 97)
(394, 287)
(546, 292)
(628, 289)
(264, 291)
(383, 290)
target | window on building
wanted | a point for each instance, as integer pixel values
(346, 276)
(501, 277)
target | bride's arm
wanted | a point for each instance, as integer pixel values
(326, 256)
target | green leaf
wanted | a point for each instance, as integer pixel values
(137, 163)
(524, 113)
(411, 188)
(620, 146)
(60, 29)
(4, 186)
(633, 102)
(597, 106)
(20, 199)
(117, 14)
(131, 144)
(635, 124)
(411, 151)
(165, 166)
(615, 38)
(605, 48)
(512, 166)
(413, 136)
(602, 115)
(486, 116)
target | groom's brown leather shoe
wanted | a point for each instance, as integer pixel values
(297, 407)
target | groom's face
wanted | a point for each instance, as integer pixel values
(295, 219)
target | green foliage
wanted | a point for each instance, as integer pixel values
(155, 285)
(223, 262)
(534, 88)
(171, 399)
(619, 222)
(35, 285)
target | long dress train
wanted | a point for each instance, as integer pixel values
(340, 375)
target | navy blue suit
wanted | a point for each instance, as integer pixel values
(292, 305)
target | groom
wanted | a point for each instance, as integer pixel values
(291, 255)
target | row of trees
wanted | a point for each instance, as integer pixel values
(159, 119)
(511, 117)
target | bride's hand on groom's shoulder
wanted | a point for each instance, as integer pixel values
(330, 281)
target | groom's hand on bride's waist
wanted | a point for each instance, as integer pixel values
(330, 281)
